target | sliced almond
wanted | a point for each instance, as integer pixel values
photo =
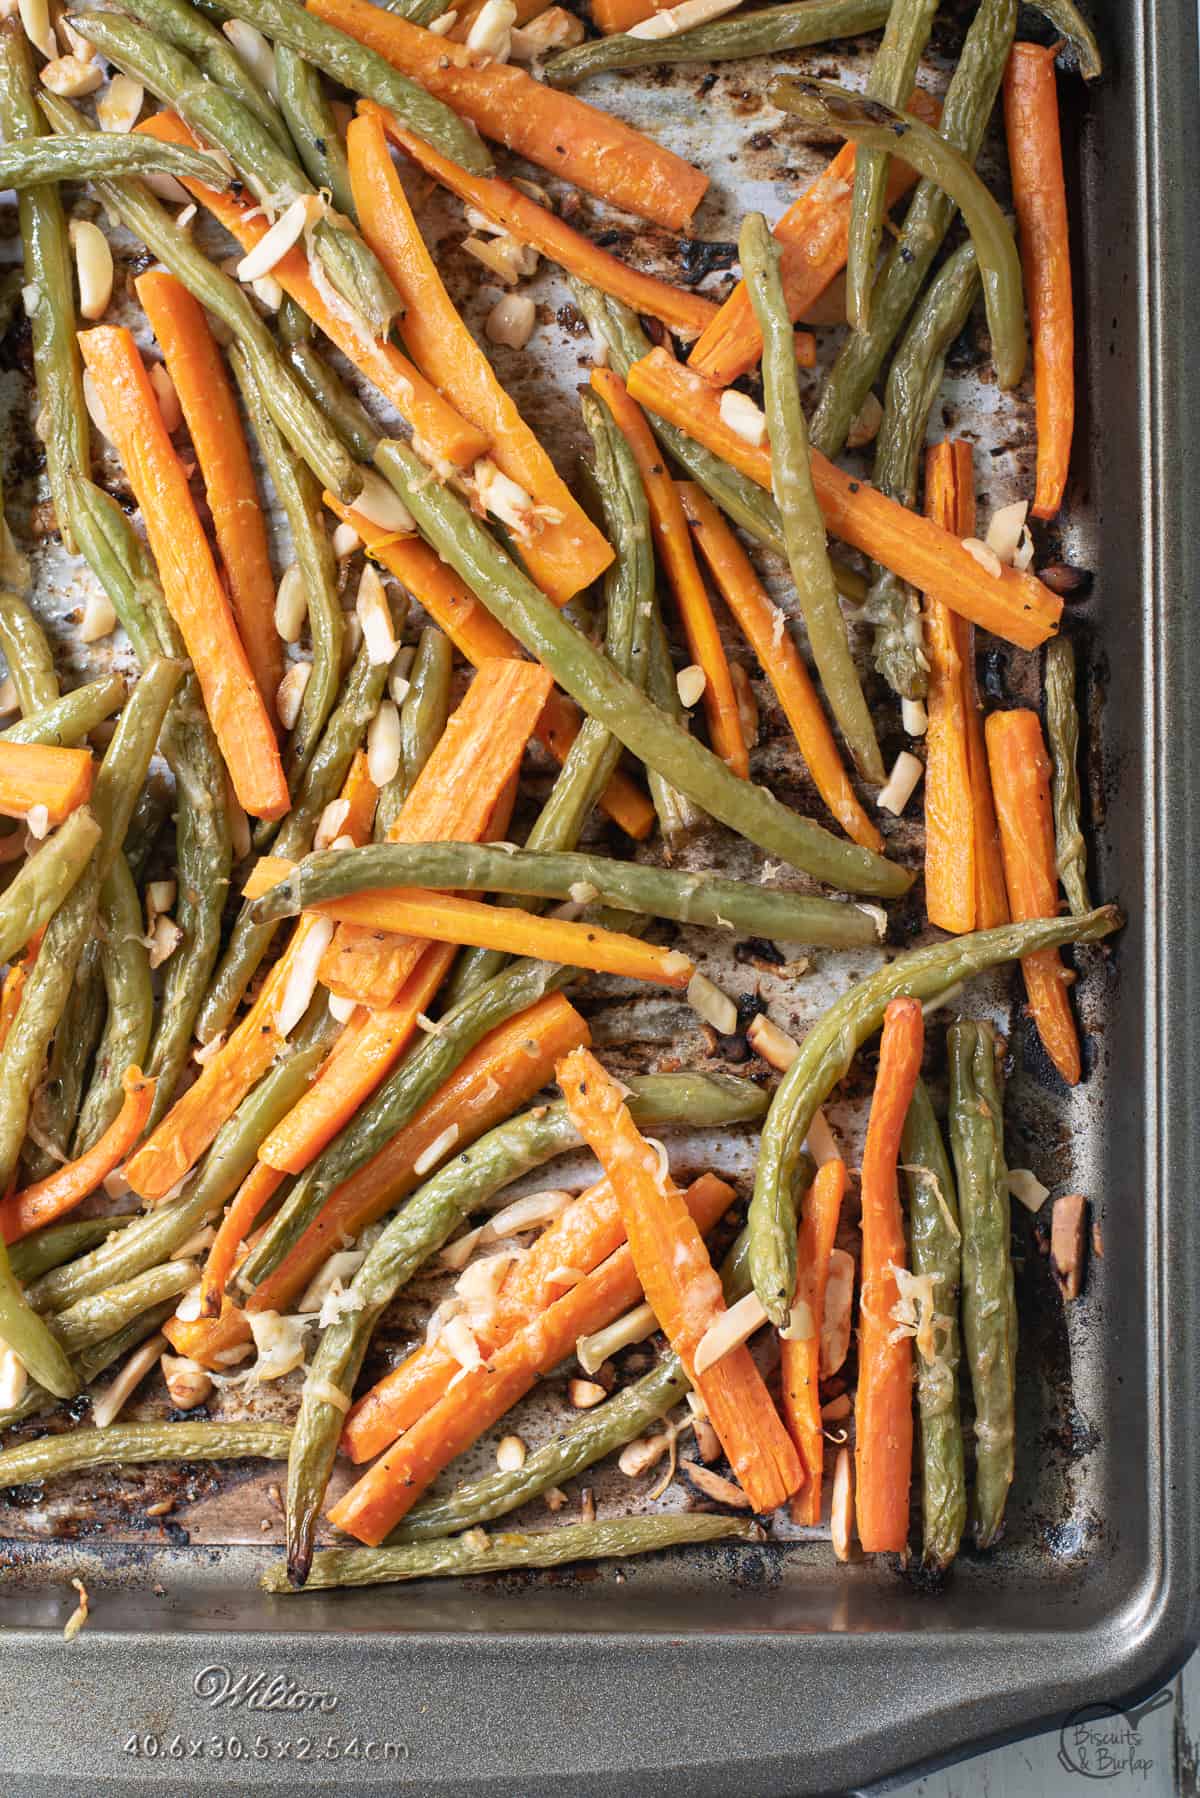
(714, 1486)
(119, 106)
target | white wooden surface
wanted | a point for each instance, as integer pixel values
(1153, 1753)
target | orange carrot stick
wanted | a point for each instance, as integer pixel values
(814, 232)
(679, 1282)
(551, 236)
(674, 546)
(38, 774)
(433, 419)
(800, 1386)
(964, 875)
(191, 585)
(501, 1073)
(452, 799)
(176, 1145)
(195, 365)
(258, 1186)
(23, 1212)
(365, 1053)
(883, 1405)
(374, 1506)
(557, 131)
(447, 918)
(766, 630)
(1013, 605)
(1020, 769)
(562, 548)
(1040, 201)
(477, 636)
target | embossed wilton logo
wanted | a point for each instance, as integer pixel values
(257, 1690)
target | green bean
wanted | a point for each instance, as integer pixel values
(297, 417)
(299, 493)
(829, 1048)
(187, 29)
(365, 72)
(872, 125)
(1070, 23)
(132, 1444)
(678, 817)
(45, 880)
(691, 898)
(791, 480)
(50, 1247)
(125, 969)
(273, 175)
(161, 1232)
(778, 28)
(314, 130)
(936, 1248)
(27, 653)
(970, 98)
(423, 714)
(56, 363)
(421, 1072)
(32, 161)
(338, 404)
(322, 781)
(102, 1314)
(891, 76)
(127, 758)
(67, 721)
(1062, 729)
(89, 1363)
(428, 1219)
(914, 381)
(989, 1309)
(605, 694)
(58, 1094)
(465, 1557)
(23, 1331)
(120, 562)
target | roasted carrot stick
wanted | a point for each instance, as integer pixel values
(477, 636)
(447, 918)
(1040, 199)
(374, 1506)
(214, 423)
(561, 547)
(23, 1212)
(557, 131)
(453, 797)
(765, 628)
(258, 1186)
(883, 1405)
(679, 1282)
(191, 585)
(178, 1142)
(1012, 604)
(34, 774)
(674, 546)
(1020, 769)
(501, 1073)
(613, 16)
(800, 1384)
(433, 419)
(551, 236)
(363, 1056)
(813, 232)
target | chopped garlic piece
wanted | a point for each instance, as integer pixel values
(504, 257)
(740, 413)
(901, 783)
(99, 618)
(511, 321)
(93, 267)
(714, 1006)
(690, 683)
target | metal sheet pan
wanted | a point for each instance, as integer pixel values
(771, 1670)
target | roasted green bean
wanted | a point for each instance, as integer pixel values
(791, 481)
(935, 1243)
(464, 1556)
(58, 1094)
(45, 880)
(50, 1247)
(27, 653)
(132, 1444)
(423, 714)
(989, 1310)
(314, 130)
(23, 1331)
(1062, 729)
(970, 98)
(829, 1048)
(90, 1362)
(102, 1314)
(67, 721)
(187, 28)
(33, 161)
(1070, 23)
(767, 33)
(905, 34)
(125, 969)
(914, 381)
